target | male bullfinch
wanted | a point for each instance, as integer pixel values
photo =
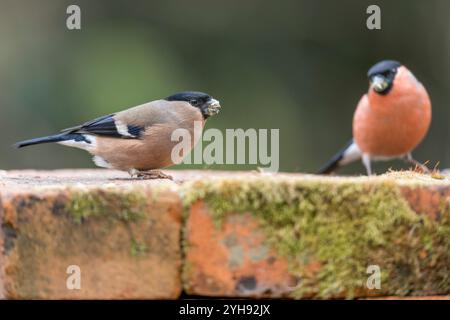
(138, 140)
(389, 121)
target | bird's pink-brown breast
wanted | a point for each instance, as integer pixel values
(393, 124)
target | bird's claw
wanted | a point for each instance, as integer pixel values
(418, 165)
(151, 174)
(422, 168)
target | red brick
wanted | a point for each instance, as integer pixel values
(135, 257)
(232, 261)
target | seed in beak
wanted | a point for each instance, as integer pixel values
(379, 84)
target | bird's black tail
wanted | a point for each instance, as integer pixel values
(54, 138)
(336, 161)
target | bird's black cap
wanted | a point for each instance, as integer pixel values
(382, 67)
(188, 96)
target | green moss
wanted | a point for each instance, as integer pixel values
(345, 225)
(185, 275)
(138, 249)
(124, 205)
(113, 205)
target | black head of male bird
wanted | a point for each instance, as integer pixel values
(138, 139)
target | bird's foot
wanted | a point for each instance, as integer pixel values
(150, 174)
(422, 168)
(417, 165)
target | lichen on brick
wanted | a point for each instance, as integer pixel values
(342, 225)
(117, 204)
(138, 248)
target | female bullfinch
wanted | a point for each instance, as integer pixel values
(389, 121)
(138, 140)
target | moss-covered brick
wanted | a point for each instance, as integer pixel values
(329, 230)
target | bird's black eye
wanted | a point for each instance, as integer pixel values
(390, 73)
(193, 102)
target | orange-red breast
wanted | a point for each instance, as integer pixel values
(389, 121)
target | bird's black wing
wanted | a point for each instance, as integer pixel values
(107, 126)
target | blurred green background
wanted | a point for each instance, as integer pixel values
(299, 66)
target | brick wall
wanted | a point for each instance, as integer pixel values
(222, 234)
